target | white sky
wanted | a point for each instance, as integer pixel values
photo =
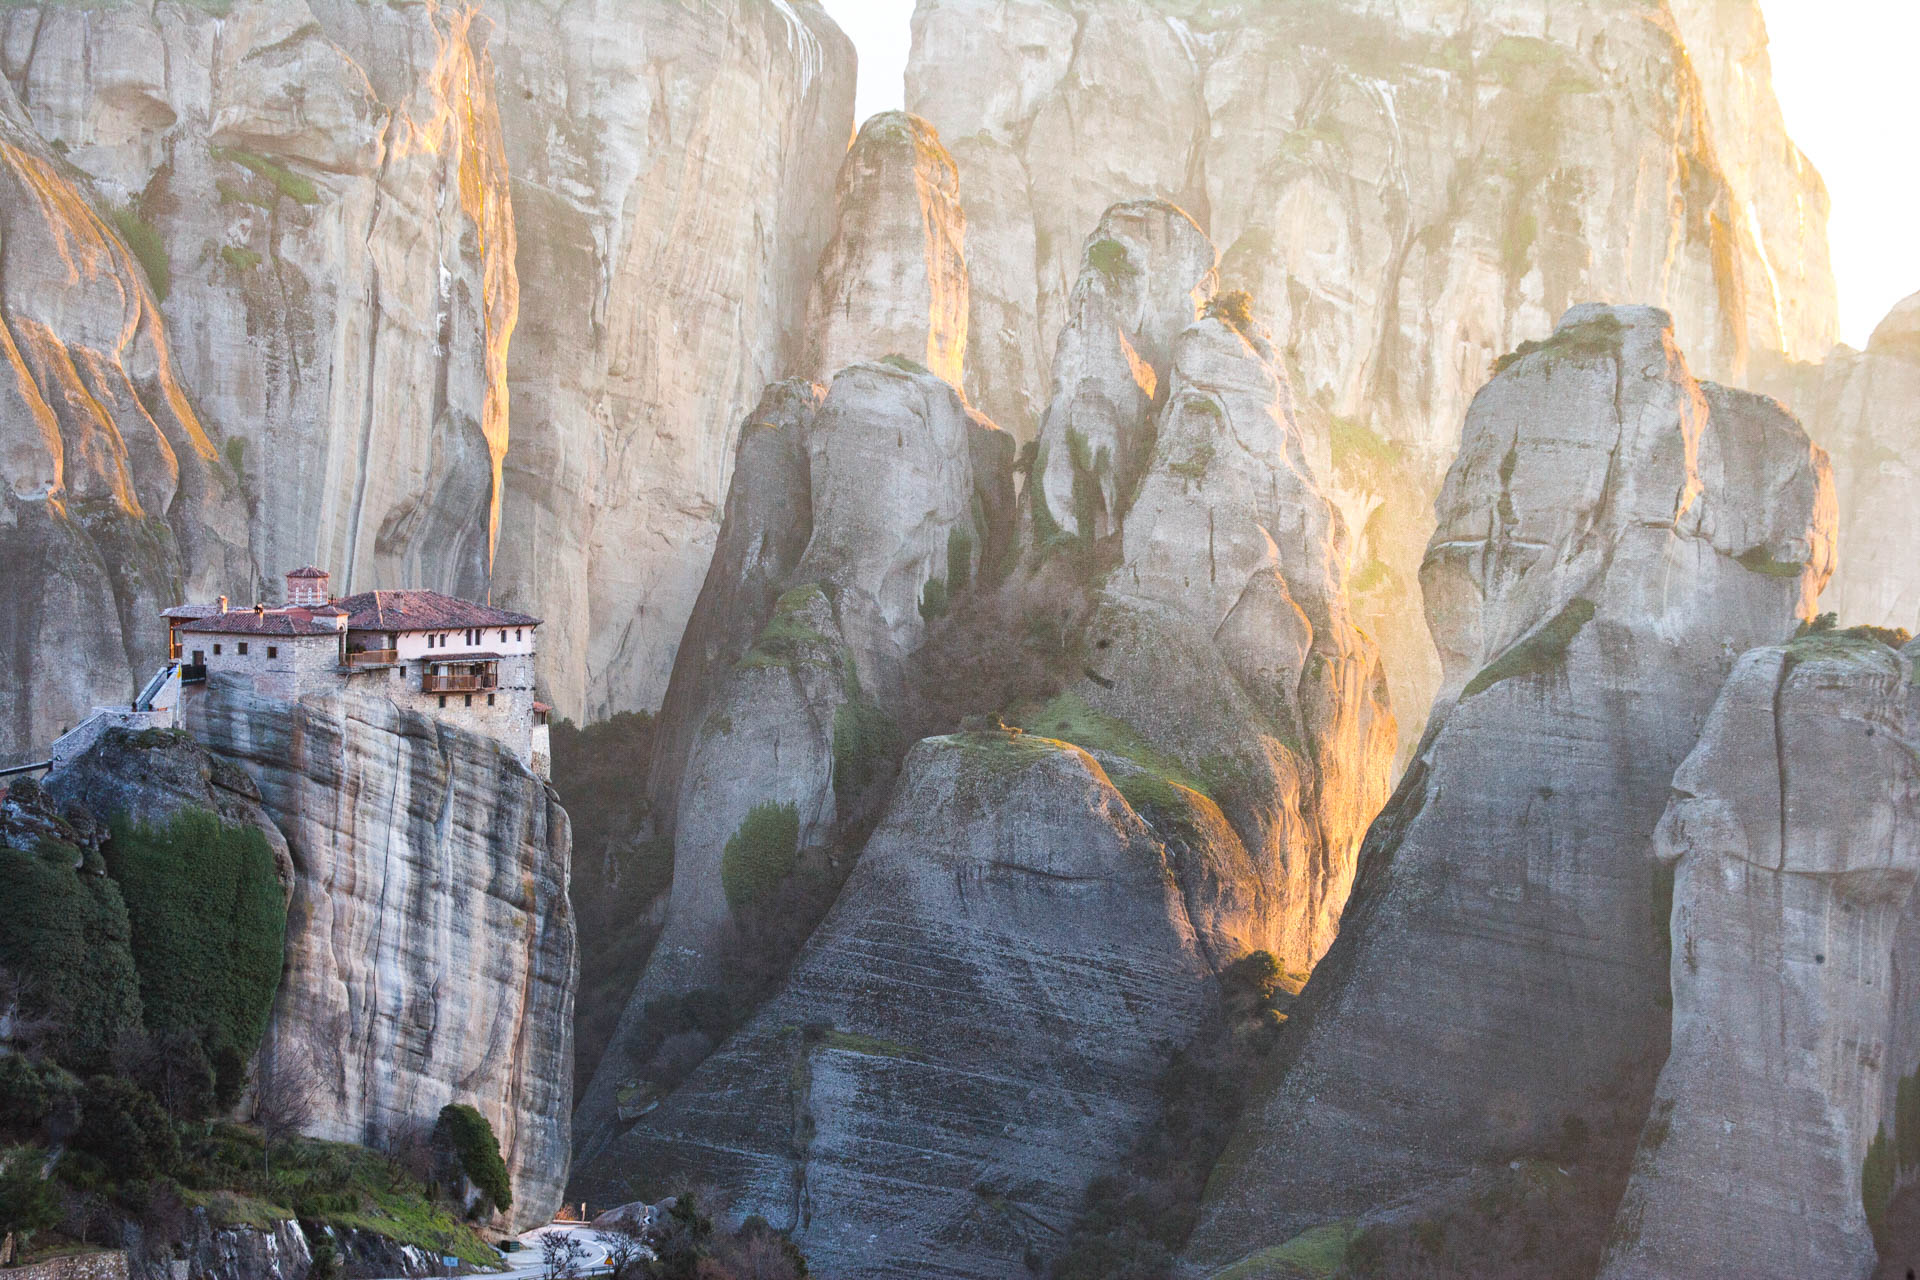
(1844, 72)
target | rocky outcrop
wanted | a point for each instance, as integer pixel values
(1408, 190)
(854, 517)
(1793, 839)
(117, 500)
(430, 944)
(321, 184)
(1611, 536)
(1864, 407)
(673, 189)
(974, 1031)
(894, 279)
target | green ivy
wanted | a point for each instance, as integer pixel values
(761, 853)
(66, 932)
(471, 1138)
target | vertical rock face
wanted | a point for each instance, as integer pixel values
(974, 1031)
(894, 279)
(1407, 190)
(1864, 407)
(673, 177)
(1794, 837)
(1611, 535)
(116, 499)
(321, 185)
(430, 944)
(850, 514)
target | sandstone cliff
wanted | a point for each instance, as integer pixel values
(1612, 534)
(318, 194)
(1864, 408)
(1408, 190)
(117, 500)
(673, 187)
(430, 943)
(1793, 837)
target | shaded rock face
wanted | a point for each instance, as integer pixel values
(322, 185)
(976, 1029)
(894, 279)
(430, 944)
(116, 498)
(1611, 536)
(1864, 408)
(1408, 190)
(673, 188)
(850, 511)
(1794, 838)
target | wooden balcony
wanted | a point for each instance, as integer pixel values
(461, 677)
(372, 657)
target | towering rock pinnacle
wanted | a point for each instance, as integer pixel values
(672, 180)
(1612, 534)
(1794, 841)
(893, 281)
(324, 185)
(117, 500)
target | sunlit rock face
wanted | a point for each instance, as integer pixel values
(1864, 407)
(894, 279)
(1793, 837)
(319, 191)
(1408, 190)
(975, 1031)
(1611, 536)
(849, 512)
(116, 501)
(673, 188)
(430, 942)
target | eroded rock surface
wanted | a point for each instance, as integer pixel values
(974, 1031)
(117, 500)
(1408, 191)
(1793, 839)
(430, 943)
(1612, 535)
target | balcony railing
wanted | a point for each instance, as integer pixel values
(460, 682)
(372, 657)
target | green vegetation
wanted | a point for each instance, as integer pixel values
(1876, 1183)
(1371, 575)
(67, 937)
(1536, 653)
(284, 180)
(959, 560)
(238, 258)
(934, 599)
(1357, 446)
(28, 1203)
(1757, 560)
(1893, 1154)
(866, 742)
(1597, 338)
(1235, 308)
(788, 638)
(1318, 1253)
(761, 853)
(208, 931)
(1069, 718)
(471, 1139)
(897, 361)
(1824, 638)
(144, 242)
(1528, 61)
(1194, 465)
(1109, 258)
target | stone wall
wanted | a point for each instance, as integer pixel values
(106, 1264)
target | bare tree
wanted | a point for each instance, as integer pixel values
(627, 1254)
(562, 1254)
(287, 1098)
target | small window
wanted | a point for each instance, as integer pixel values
(516, 633)
(469, 701)
(273, 651)
(489, 699)
(503, 635)
(443, 699)
(216, 650)
(241, 648)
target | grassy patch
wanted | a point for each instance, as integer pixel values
(1069, 718)
(788, 637)
(284, 180)
(1538, 652)
(1109, 258)
(897, 361)
(238, 258)
(871, 1046)
(1595, 339)
(1757, 560)
(1356, 445)
(761, 853)
(149, 250)
(1317, 1253)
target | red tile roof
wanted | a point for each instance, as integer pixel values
(274, 622)
(309, 572)
(419, 610)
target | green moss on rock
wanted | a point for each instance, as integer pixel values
(760, 854)
(1536, 653)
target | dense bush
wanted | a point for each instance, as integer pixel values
(760, 854)
(209, 928)
(466, 1132)
(126, 1130)
(66, 936)
(28, 1202)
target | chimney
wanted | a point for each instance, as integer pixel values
(308, 587)
(259, 611)
(223, 604)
